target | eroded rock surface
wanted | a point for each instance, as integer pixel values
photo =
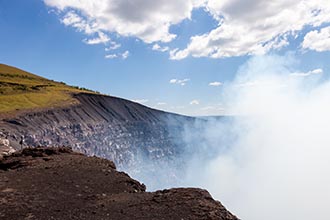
(57, 183)
(105, 126)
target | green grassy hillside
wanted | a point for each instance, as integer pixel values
(20, 90)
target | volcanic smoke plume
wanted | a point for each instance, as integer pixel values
(270, 161)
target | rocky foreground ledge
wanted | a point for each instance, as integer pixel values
(56, 183)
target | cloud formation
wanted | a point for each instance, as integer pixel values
(112, 46)
(194, 102)
(317, 40)
(111, 56)
(244, 27)
(181, 82)
(100, 39)
(309, 73)
(123, 55)
(147, 20)
(254, 27)
(215, 84)
(157, 47)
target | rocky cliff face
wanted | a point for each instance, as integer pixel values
(108, 127)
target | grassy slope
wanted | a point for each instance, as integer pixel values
(20, 90)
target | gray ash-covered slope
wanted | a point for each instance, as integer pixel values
(109, 127)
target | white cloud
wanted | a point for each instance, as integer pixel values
(110, 56)
(147, 20)
(253, 27)
(194, 102)
(113, 46)
(177, 54)
(71, 18)
(309, 73)
(100, 39)
(157, 47)
(318, 40)
(124, 55)
(215, 84)
(244, 27)
(161, 103)
(140, 101)
(181, 82)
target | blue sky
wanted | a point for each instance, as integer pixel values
(135, 49)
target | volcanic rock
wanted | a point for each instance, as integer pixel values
(57, 183)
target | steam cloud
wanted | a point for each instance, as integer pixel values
(272, 159)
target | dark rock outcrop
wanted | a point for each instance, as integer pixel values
(56, 183)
